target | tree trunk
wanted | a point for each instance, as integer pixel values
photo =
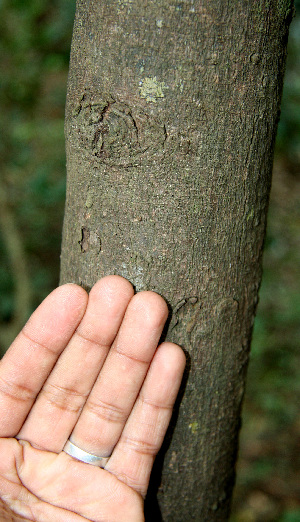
(171, 118)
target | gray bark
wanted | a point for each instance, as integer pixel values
(171, 118)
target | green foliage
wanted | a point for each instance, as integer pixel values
(291, 516)
(34, 47)
(288, 136)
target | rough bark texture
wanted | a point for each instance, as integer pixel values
(171, 118)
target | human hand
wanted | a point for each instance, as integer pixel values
(88, 368)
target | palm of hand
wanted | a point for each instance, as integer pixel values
(46, 486)
(89, 369)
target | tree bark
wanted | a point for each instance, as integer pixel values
(171, 118)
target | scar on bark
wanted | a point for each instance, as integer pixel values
(84, 242)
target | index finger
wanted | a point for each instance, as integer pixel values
(31, 357)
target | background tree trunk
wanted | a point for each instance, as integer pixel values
(171, 118)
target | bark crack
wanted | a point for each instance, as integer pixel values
(84, 242)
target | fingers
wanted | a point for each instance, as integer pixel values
(51, 375)
(113, 395)
(142, 437)
(28, 362)
(63, 395)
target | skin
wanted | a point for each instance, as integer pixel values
(87, 368)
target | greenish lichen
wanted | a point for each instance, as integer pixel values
(250, 215)
(89, 200)
(125, 3)
(151, 89)
(194, 427)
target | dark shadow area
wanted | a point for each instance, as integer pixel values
(152, 509)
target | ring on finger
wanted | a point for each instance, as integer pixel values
(79, 454)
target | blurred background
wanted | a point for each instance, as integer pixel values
(35, 39)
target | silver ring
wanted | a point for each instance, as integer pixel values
(84, 456)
